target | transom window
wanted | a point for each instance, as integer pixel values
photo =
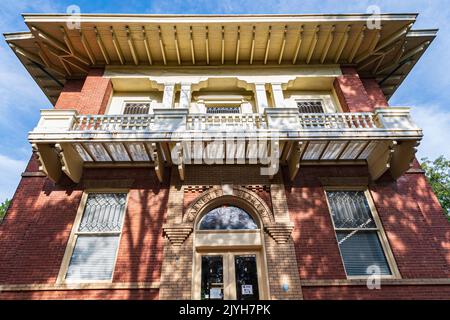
(230, 109)
(97, 238)
(310, 106)
(136, 108)
(357, 233)
(227, 218)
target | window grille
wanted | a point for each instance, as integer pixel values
(227, 218)
(97, 237)
(223, 109)
(357, 233)
(136, 108)
(310, 106)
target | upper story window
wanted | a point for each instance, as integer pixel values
(227, 218)
(214, 110)
(97, 238)
(358, 234)
(136, 108)
(310, 106)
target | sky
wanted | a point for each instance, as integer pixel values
(425, 89)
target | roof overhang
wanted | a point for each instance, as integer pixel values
(53, 52)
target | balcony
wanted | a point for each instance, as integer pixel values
(66, 142)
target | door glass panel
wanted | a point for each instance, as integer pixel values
(246, 278)
(212, 278)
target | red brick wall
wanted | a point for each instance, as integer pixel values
(417, 230)
(317, 250)
(413, 219)
(138, 294)
(88, 96)
(40, 219)
(423, 292)
(375, 94)
(351, 92)
(37, 225)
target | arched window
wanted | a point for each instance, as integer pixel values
(227, 218)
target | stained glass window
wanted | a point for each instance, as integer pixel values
(357, 234)
(227, 218)
(97, 238)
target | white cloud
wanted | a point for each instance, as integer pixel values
(10, 170)
(435, 122)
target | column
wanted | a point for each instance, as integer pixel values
(185, 95)
(261, 97)
(277, 94)
(169, 95)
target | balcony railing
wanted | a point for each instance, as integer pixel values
(338, 121)
(113, 122)
(228, 121)
(385, 122)
(386, 138)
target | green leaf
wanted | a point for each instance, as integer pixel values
(438, 174)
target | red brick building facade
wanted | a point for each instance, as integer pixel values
(157, 247)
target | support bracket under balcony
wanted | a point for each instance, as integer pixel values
(48, 161)
(294, 159)
(159, 163)
(380, 160)
(71, 162)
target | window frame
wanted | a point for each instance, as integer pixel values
(322, 104)
(230, 106)
(61, 279)
(382, 237)
(125, 102)
(329, 103)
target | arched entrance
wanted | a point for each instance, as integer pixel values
(229, 258)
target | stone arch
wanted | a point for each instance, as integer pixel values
(239, 196)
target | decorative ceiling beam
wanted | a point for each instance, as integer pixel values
(161, 46)
(376, 57)
(372, 46)
(72, 51)
(266, 55)
(65, 59)
(131, 45)
(252, 50)
(77, 66)
(46, 60)
(404, 57)
(414, 51)
(328, 43)
(283, 45)
(177, 47)
(66, 47)
(342, 44)
(87, 48)
(313, 44)
(43, 55)
(207, 44)
(101, 46)
(65, 66)
(50, 40)
(357, 45)
(192, 44)
(394, 37)
(238, 44)
(30, 56)
(117, 46)
(223, 44)
(378, 65)
(147, 46)
(299, 44)
(391, 39)
(373, 59)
